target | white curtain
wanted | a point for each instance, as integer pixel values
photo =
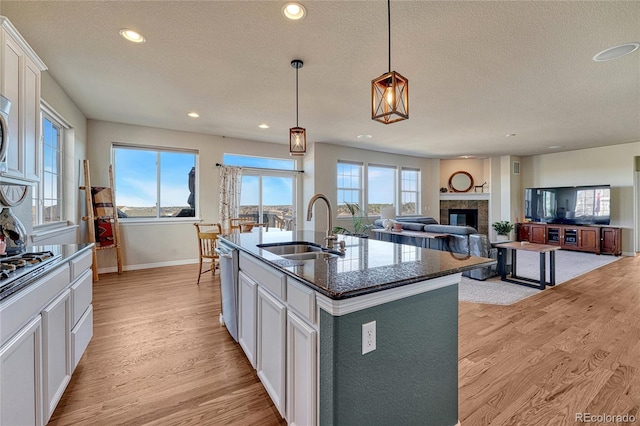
(230, 186)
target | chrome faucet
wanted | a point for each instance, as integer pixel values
(330, 235)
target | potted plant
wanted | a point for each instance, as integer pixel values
(503, 229)
(360, 227)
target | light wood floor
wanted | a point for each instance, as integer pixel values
(160, 357)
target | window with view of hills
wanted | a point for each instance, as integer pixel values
(154, 183)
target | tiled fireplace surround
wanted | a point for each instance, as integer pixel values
(481, 205)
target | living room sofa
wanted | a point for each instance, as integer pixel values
(463, 240)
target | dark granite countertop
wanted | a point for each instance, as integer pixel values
(367, 266)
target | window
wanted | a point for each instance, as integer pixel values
(381, 183)
(268, 189)
(154, 183)
(382, 187)
(349, 185)
(47, 206)
(409, 190)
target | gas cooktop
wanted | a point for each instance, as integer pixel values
(18, 271)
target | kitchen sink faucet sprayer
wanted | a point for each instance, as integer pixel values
(330, 235)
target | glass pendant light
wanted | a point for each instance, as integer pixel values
(390, 91)
(297, 135)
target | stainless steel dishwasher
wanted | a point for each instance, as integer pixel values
(229, 287)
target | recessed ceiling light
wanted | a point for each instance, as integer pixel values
(364, 136)
(510, 135)
(193, 115)
(264, 126)
(294, 11)
(616, 52)
(132, 35)
(555, 146)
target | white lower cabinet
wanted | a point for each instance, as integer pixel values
(301, 371)
(247, 299)
(21, 384)
(56, 344)
(271, 355)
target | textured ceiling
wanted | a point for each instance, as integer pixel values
(477, 70)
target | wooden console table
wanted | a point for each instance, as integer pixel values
(425, 237)
(514, 278)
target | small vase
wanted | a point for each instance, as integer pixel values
(14, 232)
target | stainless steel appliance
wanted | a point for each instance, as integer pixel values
(17, 272)
(229, 265)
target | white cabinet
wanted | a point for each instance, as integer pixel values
(301, 371)
(21, 78)
(56, 344)
(247, 299)
(271, 357)
(21, 384)
(44, 330)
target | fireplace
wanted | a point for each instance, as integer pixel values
(480, 209)
(464, 217)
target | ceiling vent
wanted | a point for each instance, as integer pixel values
(516, 167)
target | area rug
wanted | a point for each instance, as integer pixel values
(569, 264)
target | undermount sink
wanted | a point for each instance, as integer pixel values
(300, 250)
(311, 255)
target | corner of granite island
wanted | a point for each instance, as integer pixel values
(300, 324)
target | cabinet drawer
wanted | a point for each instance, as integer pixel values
(302, 299)
(81, 334)
(81, 296)
(264, 275)
(21, 307)
(80, 264)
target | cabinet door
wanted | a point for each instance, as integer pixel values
(20, 377)
(301, 372)
(589, 239)
(248, 293)
(610, 241)
(56, 351)
(538, 234)
(31, 140)
(523, 232)
(272, 323)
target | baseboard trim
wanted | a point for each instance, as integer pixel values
(110, 269)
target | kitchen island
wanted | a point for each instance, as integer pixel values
(369, 336)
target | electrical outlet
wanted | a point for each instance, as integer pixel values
(368, 337)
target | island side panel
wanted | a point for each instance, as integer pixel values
(412, 376)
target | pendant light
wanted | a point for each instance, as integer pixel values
(297, 135)
(390, 91)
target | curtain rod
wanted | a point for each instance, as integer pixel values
(264, 168)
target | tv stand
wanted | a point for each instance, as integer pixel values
(593, 239)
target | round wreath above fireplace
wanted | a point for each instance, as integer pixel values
(460, 182)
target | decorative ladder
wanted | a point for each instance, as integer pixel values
(101, 212)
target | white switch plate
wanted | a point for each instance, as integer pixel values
(368, 337)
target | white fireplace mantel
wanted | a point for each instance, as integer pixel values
(465, 196)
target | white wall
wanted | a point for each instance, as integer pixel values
(160, 244)
(613, 165)
(478, 168)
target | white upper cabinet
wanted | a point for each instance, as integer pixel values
(20, 77)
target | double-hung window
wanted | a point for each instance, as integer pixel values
(349, 186)
(409, 191)
(47, 200)
(154, 182)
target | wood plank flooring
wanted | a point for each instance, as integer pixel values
(160, 357)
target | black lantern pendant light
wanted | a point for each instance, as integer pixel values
(390, 91)
(297, 135)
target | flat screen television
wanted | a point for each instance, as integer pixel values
(577, 205)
